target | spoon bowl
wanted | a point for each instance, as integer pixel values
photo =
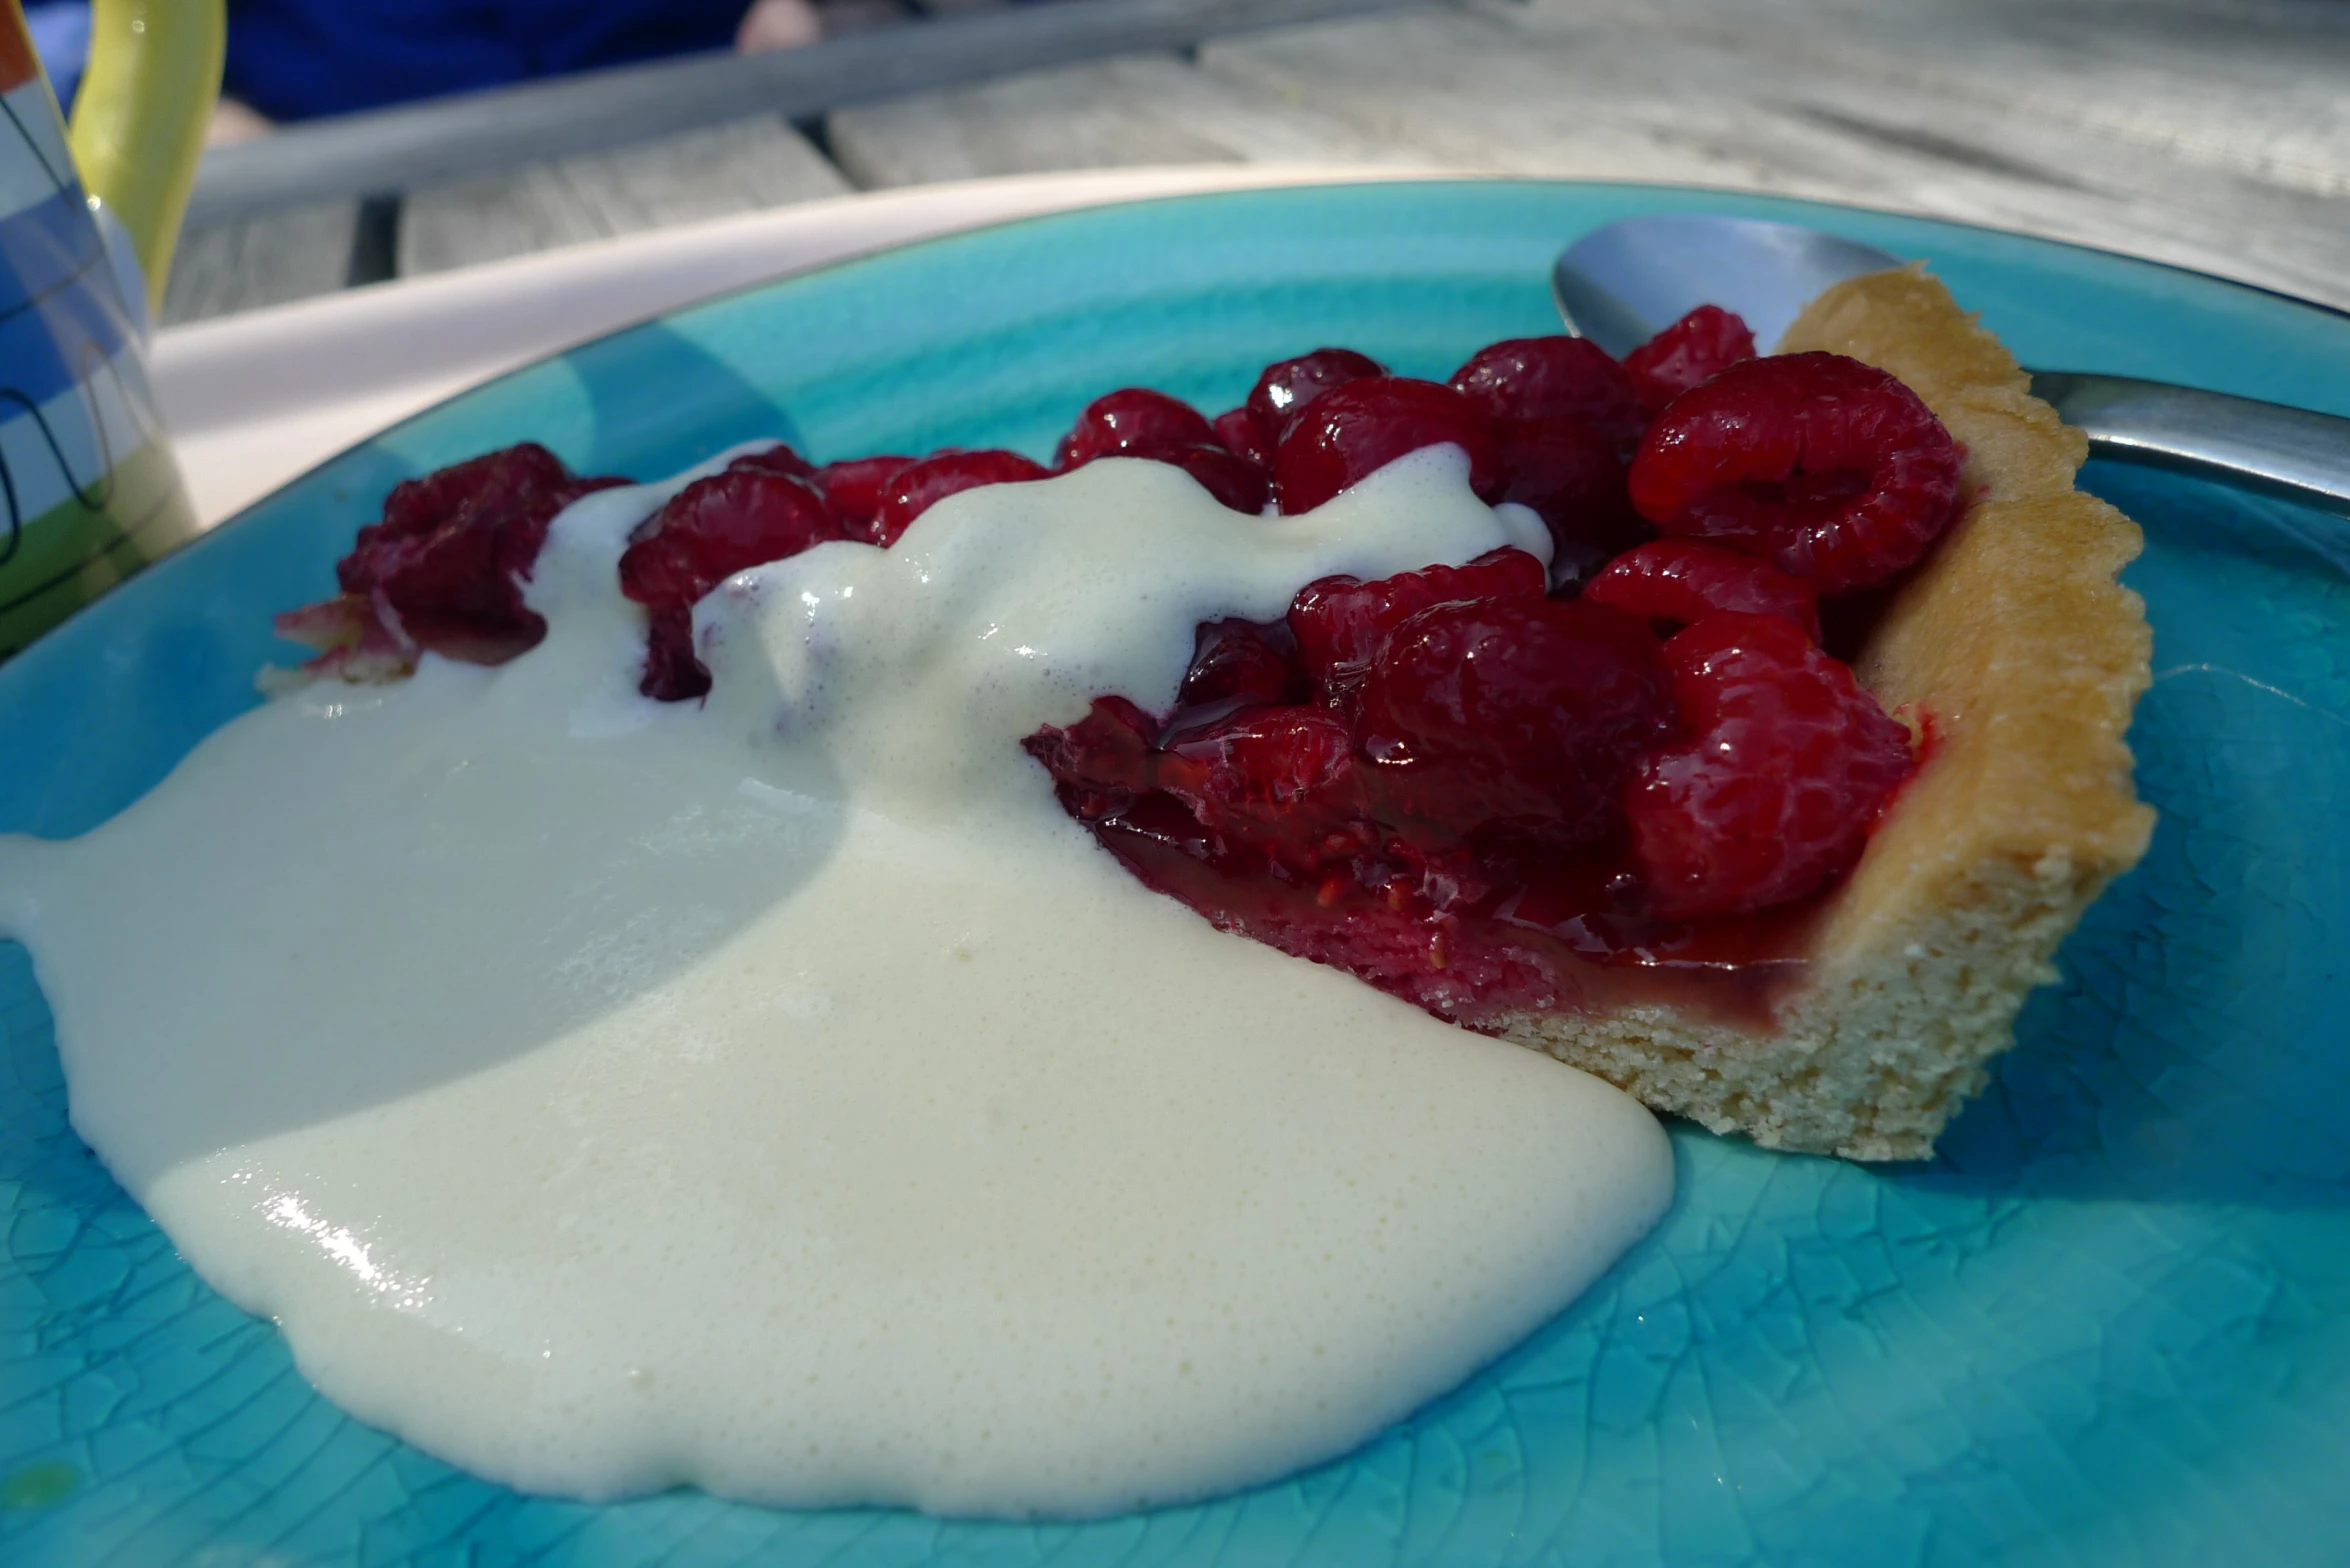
(1622, 284)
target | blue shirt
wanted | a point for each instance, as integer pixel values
(297, 59)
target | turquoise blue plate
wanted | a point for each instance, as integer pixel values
(2109, 1325)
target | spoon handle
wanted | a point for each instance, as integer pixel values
(2288, 452)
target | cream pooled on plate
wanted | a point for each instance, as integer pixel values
(784, 1096)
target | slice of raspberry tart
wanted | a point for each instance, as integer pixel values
(2017, 657)
(1768, 797)
(1639, 814)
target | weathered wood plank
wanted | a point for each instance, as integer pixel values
(474, 134)
(2213, 133)
(1608, 98)
(261, 261)
(1444, 86)
(741, 167)
(2259, 88)
(1152, 109)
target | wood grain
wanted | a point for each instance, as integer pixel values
(2214, 134)
(269, 260)
(472, 135)
(1145, 109)
(741, 167)
(1820, 110)
(2255, 87)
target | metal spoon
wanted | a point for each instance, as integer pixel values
(1617, 285)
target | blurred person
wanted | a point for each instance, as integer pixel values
(303, 59)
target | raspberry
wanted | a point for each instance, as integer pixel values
(1234, 660)
(777, 459)
(1339, 623)
(1130, 421)
(490, 495)
(1827, 467)
(855, 490)
(1570, 475)
(1286, 387)
(1686, 580)
(1355, 430)
(1279, 780)
(1538, 378)
(1693, 350)
(918, 487)
(1137, 422)
(1773, 792)
(1523, 715)
(673, 672)
(1237, 484)
(444, 568)
(1236, 431)
(1103, 760)
(719, 525)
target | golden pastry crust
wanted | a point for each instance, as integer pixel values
(2022, 657)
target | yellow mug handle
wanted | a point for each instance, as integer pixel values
(139, 120)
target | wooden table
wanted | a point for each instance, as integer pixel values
(2210, 133)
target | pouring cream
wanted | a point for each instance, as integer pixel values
(783, 1096)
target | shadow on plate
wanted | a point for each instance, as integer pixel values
(2194, 1049)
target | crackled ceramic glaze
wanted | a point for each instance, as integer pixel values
(2110, 1324)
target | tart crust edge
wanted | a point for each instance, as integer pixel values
(2018, 657)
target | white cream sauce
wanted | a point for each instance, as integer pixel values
(783, 1096)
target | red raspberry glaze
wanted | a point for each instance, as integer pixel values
(1287, 387)
(1773, 793)
(444, 568)
(1690, 352)
(1101, 762)
(1539, 378)
(1685, 580)
(855, 488)
(1243, 661)
(1518, 715)
(1339, 623)
(918, 487)
(1278, 780)
(1571, 477)
(713, 528)
(1132, 420)
(1827, 467)
(1353, 431)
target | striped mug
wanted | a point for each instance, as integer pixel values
(89, 492)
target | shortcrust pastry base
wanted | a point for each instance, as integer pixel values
(2022, 657)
